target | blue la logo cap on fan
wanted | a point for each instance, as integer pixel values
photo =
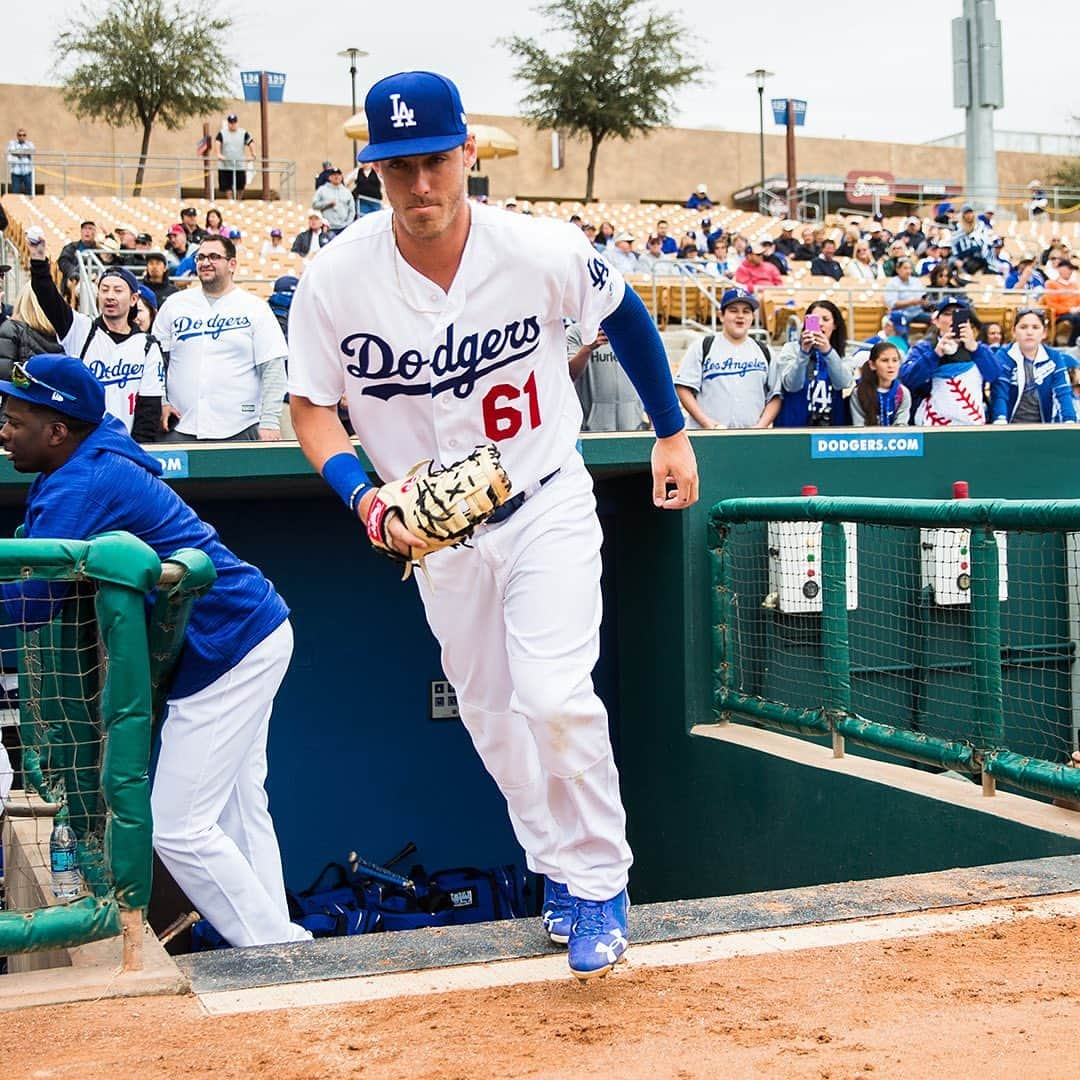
(413, 112)
(739, 296)
(63, 383)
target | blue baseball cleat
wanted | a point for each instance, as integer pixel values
(598, 936)
(557, 914)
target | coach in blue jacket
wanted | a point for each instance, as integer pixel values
(212, 825)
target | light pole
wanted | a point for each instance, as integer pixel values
(759, 75)
(352, 55)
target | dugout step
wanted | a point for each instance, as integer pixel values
(422, 950)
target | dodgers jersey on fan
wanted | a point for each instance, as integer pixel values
(215, 345)
(129, 370)
(430, 374)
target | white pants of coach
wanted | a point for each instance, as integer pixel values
(212, 825)
(518, 617)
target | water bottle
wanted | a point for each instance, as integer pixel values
(64, 858)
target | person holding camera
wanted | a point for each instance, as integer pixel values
(949, 368)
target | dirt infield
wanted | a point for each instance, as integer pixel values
(1003, 1000)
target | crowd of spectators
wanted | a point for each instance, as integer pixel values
(961, 372)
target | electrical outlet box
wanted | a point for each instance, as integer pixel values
(795, 565)
(946, 565)
(443, 701)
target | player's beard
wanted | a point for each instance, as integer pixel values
(431, 226)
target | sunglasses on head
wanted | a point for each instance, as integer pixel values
(23, 380)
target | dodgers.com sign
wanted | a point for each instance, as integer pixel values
(910, 444)
(174, 463)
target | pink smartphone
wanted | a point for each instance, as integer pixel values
(812, 324)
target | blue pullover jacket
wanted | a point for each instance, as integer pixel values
(110, 483)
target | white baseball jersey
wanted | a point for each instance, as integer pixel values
(215, 347)
(431, 374)
(128, 370)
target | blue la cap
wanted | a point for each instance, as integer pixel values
(62, 383)
(953, 301)
(741, 295)
(413, 112)
(125, 275)
(149, 296)
(286, 283)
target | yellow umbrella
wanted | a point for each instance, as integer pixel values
(491, 142)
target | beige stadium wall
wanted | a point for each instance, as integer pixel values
(665, 166)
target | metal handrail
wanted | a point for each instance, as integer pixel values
(192, 171)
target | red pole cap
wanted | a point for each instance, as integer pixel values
(809, 489)
(960, 489)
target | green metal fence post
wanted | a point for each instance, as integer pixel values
(986, 645)
(836, 652)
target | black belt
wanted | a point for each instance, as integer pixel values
(512, 505)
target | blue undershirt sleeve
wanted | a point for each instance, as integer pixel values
(344, 473)
(636, 341)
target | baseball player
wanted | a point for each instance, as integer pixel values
(456, 340)
(126, 360)
(212, 827)
(226, 353)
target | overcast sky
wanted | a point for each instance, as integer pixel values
(869, 71)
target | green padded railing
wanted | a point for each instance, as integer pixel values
(86, 724)
(984, 747)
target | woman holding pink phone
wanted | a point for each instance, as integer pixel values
(815, 372)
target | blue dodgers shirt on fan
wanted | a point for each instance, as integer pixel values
(111, 483)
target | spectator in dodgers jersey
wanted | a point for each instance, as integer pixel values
(608, 399)
(732, 380)
(226, 356)
(212, 828)
(1033, 387)
(126, 360)
(20, 160)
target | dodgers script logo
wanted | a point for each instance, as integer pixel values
(713, 369)
(186, 327)
(119, 373)
(455, 365)
(401, 115)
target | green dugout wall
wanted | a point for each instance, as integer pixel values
(357, 764)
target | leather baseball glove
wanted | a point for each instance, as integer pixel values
(441, 506)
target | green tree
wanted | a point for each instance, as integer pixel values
(614, 77)
(1067, 174)
(144, 62)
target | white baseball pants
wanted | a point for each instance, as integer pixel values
(518, 617)
(212, 825)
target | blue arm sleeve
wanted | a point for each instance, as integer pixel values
(636, 341)
(344, 473)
